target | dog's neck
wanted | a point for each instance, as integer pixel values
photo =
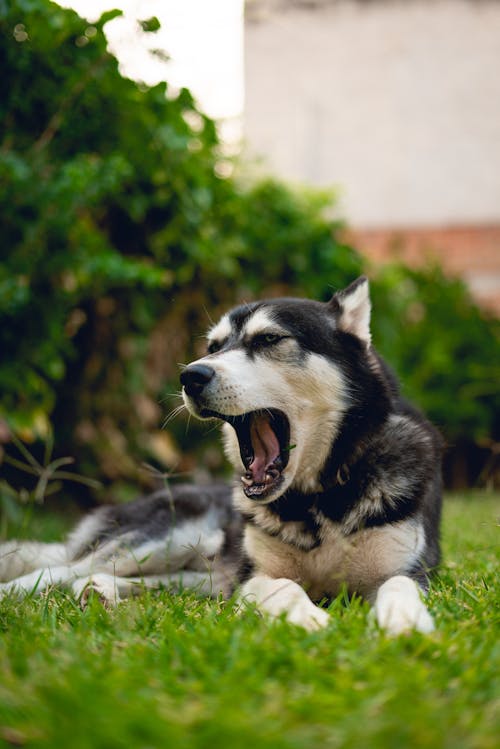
(360, 423)
(339, 478)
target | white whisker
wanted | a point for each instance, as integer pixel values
(164, 399)
(208, 315)
(172, 415)
(188, 422)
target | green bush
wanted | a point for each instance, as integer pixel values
(445, 349)
(120, 236)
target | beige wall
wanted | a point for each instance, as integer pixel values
(396, 102)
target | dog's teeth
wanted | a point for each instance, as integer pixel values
(272, 474)
(247, 479)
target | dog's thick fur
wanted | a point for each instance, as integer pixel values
(337, 480)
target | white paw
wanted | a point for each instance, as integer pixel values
(103, 586)
(399, 608)
(282, 596)
(305, 614)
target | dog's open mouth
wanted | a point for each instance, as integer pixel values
(264, 440)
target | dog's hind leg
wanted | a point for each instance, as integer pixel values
(111, 588)
(20, 557)
(38, 580)
(399, 607)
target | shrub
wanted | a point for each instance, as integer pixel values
(117, 227)
(445, 349)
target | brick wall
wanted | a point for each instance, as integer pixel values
(471, 252)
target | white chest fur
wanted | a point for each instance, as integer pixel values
(361, 560)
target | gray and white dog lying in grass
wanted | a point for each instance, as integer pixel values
(337, 481)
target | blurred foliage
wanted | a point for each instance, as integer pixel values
(445, 348)
(122, 232)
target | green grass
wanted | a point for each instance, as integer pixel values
(177, 672)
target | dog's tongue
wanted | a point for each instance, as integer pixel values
(266, 448)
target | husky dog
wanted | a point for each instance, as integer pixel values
(337, 480)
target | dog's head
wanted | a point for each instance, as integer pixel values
(278, 372)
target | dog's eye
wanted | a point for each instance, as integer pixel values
(214, 346)
(266, 339)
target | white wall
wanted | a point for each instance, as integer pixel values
(203, 39)
(397, 102)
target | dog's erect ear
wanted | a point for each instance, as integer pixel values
(352, 309)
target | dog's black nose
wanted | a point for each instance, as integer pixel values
(195, 377)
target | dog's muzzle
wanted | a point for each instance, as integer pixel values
(263, 435)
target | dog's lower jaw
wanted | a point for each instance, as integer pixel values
(245, 503)
(268, 490)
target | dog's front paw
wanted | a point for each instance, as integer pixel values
(305, 614)
(280, 596)
(399, 608)
(102, 586)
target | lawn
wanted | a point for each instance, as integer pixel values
(178, 672)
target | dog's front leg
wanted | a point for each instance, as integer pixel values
(399, 607)
(282, 596)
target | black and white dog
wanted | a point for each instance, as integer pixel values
(338, 481)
